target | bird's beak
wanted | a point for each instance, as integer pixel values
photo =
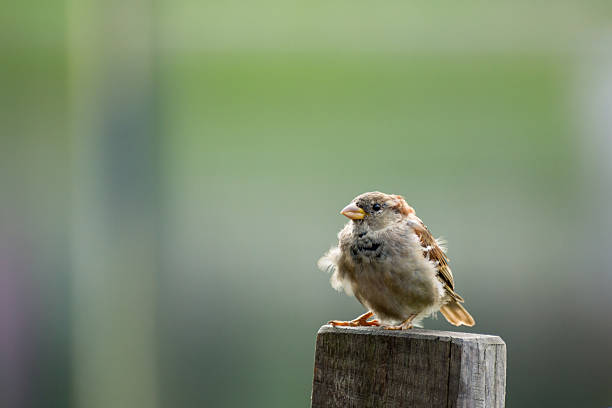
(353, 212)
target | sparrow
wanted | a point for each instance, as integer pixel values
(387, 258)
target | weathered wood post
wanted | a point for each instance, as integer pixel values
(371, 367)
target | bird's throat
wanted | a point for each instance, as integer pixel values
(366, 247)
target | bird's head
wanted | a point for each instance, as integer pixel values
(377, 210)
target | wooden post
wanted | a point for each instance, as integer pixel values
(372, 367)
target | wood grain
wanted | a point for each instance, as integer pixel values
(371, 367)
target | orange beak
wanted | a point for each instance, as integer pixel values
(353, 212)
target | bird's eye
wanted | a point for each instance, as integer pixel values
(376, 207)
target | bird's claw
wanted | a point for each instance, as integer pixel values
(398, 327)
(360, 321)
(405, 325)
(354, 323)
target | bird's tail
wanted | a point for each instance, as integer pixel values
(456, 314)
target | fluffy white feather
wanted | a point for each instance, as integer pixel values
(329, 263)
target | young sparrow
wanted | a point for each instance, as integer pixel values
(387, 258)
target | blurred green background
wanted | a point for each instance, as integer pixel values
(171, 172)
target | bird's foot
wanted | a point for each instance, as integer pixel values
(360, 321)
(406, 324)
(398, 327)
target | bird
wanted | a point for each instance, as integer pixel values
(387, 258)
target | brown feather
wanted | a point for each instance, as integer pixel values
(436, 254)
(403, 206)
(456, 314)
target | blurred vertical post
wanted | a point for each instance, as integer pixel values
(116, 223)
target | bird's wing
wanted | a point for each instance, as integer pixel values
(433, 252)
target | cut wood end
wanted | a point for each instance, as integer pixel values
(414, 333)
